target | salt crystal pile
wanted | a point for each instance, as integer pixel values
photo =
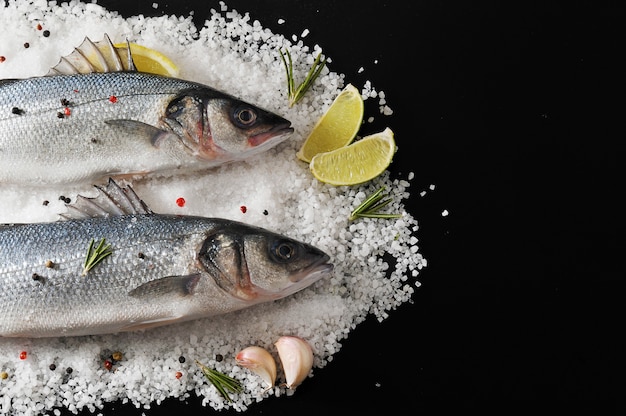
(233, 53)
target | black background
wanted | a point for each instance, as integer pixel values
(513, 111)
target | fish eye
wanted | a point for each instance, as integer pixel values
(283, 250)
(244, 116)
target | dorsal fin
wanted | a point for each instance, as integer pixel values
(90, 57)
(111, 199)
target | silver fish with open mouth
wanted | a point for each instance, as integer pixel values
(98, 117)
(161, 269)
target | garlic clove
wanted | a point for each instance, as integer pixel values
(296, 357)
(259, 361)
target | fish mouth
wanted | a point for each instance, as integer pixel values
(308, 275)
(276, 134)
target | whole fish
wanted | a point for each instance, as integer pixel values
(151, 269)
(94, 116)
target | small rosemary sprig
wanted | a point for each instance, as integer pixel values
(370, 207)
(296, 94)
(221, 381)
(95, 256)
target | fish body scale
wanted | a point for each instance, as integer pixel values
(142, 249)
(52, 115)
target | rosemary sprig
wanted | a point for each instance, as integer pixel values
(95, 256)
(370, 207)
(296, 94)
(221, 381)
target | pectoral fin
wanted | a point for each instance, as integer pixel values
(167, 287)
(151, 134)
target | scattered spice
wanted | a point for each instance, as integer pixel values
(69, 370)
(265, 212)
(45, 202)
(2, 58)
(180, 202)
(39, 27)
(178, 375)
(141, 255)
(26, 45)
(49, 264)
(52, 367)
(243, 209)
(65, 102)
(64, 199)
(221, 381)
(46, 33)
(219, 358)
(23, 355)
(95, 256)
(60, 114)
(4, 375)
(67, 111)
(109, 359)
(38, 277)
(113, 99)
(18, 111)
(181, 359)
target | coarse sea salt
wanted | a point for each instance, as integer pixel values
(375, 260)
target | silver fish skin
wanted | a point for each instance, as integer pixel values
(163, 269)
(82, 127)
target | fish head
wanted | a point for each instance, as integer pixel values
(257, 265)
(217, 127)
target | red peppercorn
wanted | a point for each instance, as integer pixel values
(180, 202)
(108, 364)
(39, 27)
(113, 99)
(23, 355)
(243, 209)
(179, 374)
(67, 111)
(2, 59)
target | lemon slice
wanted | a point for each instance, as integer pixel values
(149, 60)
(359, 162)
(337, 127)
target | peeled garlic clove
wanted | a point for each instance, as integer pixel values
(296, 357)
(259, 361)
